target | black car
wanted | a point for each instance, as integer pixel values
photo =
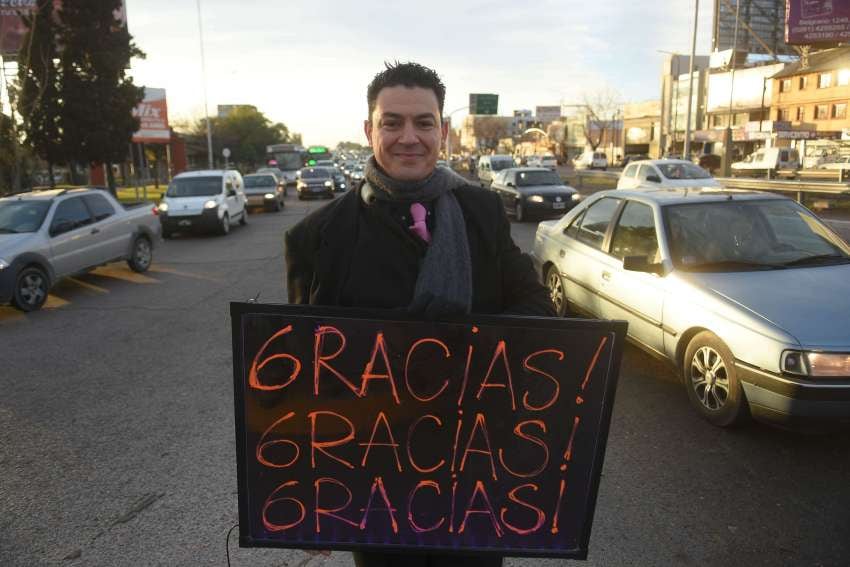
(534, 191)
(341, 183)
(315, 182)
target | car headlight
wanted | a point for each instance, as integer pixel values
(301, 184)
(211, 204)
(342, 185)
(3, 264)
(536, 199)
(268, 196)
(816, 364)
(163, 207)
(575, 197)
(329, 183)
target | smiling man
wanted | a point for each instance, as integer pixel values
(413, 236)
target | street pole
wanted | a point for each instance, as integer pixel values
(687, 152)
(204, 80)
(727, 138)
(449, 137)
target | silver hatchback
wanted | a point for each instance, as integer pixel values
(747, 293)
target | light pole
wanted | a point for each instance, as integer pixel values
(727, 138)
(686, 154)
(449, 137)
(204, 88)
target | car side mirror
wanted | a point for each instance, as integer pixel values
(653, 179)
(231, 192)
(510, 184)
(61, 227)
(642, 264)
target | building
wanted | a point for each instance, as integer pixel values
(764, 17)
(642, 128)
(674, 99)
(812, 98)
(224, 110)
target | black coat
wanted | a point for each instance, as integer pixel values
(321, 268)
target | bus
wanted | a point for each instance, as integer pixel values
(288, 158)
(317, 153)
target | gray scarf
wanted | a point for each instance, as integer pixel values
(444, 285)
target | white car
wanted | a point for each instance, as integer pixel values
(660, 173)
(769, 159)
(206, 200)
(840, 163)
(591, 160)
(549, 162)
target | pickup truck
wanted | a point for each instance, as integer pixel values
(48, 235)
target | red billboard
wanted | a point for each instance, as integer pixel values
(152, 113)
(810, 22)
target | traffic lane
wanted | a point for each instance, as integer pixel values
(117, 414)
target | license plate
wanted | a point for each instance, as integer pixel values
(185, 223)
(559, 205)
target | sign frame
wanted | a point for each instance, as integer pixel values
(615, 329)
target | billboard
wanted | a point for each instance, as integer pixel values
(483, 103)
(809, 22)
(152, 113)
(13, 30)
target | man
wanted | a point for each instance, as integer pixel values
(412, 237)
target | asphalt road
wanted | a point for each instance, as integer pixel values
(117, 435)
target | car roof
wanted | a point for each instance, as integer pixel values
(682, 195)
(46, 194)
(260, 174)
(528, 169)
(661, 161)
(204, 173)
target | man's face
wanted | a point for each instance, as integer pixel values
(405, 132)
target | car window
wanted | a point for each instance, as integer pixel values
(529, 178)
(683, 171)
(572, 230)
(72, 210)
(645, 171)
(22, 216)
(260, 181)
(98, 205)
(635, 233)
(194, 186)
(630, 171)
(596, 220)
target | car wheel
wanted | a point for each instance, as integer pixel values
(557, 293)
(31, 287)
(224, 225)
(243, 220)
(712, 381)
(141, 256)
(519, 211)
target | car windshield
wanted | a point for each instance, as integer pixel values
(22, 216)
(682, 171)
(750, 235)
(318, 173)
(259, 181)
(500, 164)
(194, 186)
(527, 178)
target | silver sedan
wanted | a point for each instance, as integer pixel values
(746, 293)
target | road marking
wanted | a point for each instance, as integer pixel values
(836, 221)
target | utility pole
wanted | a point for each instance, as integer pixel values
(686, 154)
(204, 80)
(727, 137)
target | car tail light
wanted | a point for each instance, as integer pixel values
(155, 211)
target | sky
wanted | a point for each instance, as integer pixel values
(307, 64)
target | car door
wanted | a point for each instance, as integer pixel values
(582, 257)
(231, 196)
(112, 239)
(636, 297)
(72, 237)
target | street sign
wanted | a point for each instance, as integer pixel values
(369, 430)
(483, 103)
(226, 152)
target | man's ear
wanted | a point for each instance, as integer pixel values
(444, 127)
(367, 129)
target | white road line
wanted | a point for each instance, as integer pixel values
(836, 221)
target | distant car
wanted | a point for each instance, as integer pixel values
(282, 177)
(356, 173)
(629, 158)
(315, 182)
(768, 159)
(533, 192)
(203, 200)
(746, 293)
(488, 166)
(265, 190)
(591, 160)
(48, 235)
(549, 162)
(658, 173)
(341, 183)
(839, 163)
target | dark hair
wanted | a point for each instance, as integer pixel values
(408, 74)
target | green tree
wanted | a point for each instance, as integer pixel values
(98, 96)
(37, 96)
(246, 132)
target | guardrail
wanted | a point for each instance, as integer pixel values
(798, 187)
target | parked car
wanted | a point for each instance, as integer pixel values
(746, 293)
(533, 192)
(842, 162)
(48, 235)
(203, 200)
(658, 173)
(315, 182)
(591, 160)
(490, 165)
(548, 162)
(768, 159)
(265, 190)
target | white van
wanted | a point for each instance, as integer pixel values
(769, 159)
(489, 165)
(205, 200)
(591, 160)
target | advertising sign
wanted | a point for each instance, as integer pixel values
(13, 30)
(483, 103)
(366, 430)
(810, 22)
(152, 113)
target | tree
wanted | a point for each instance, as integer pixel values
(489, 130)
(351, 147)
(602, 109)
(246, 132)
(37, 97)
(97, 120)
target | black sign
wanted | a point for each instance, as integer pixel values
(365, 430)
